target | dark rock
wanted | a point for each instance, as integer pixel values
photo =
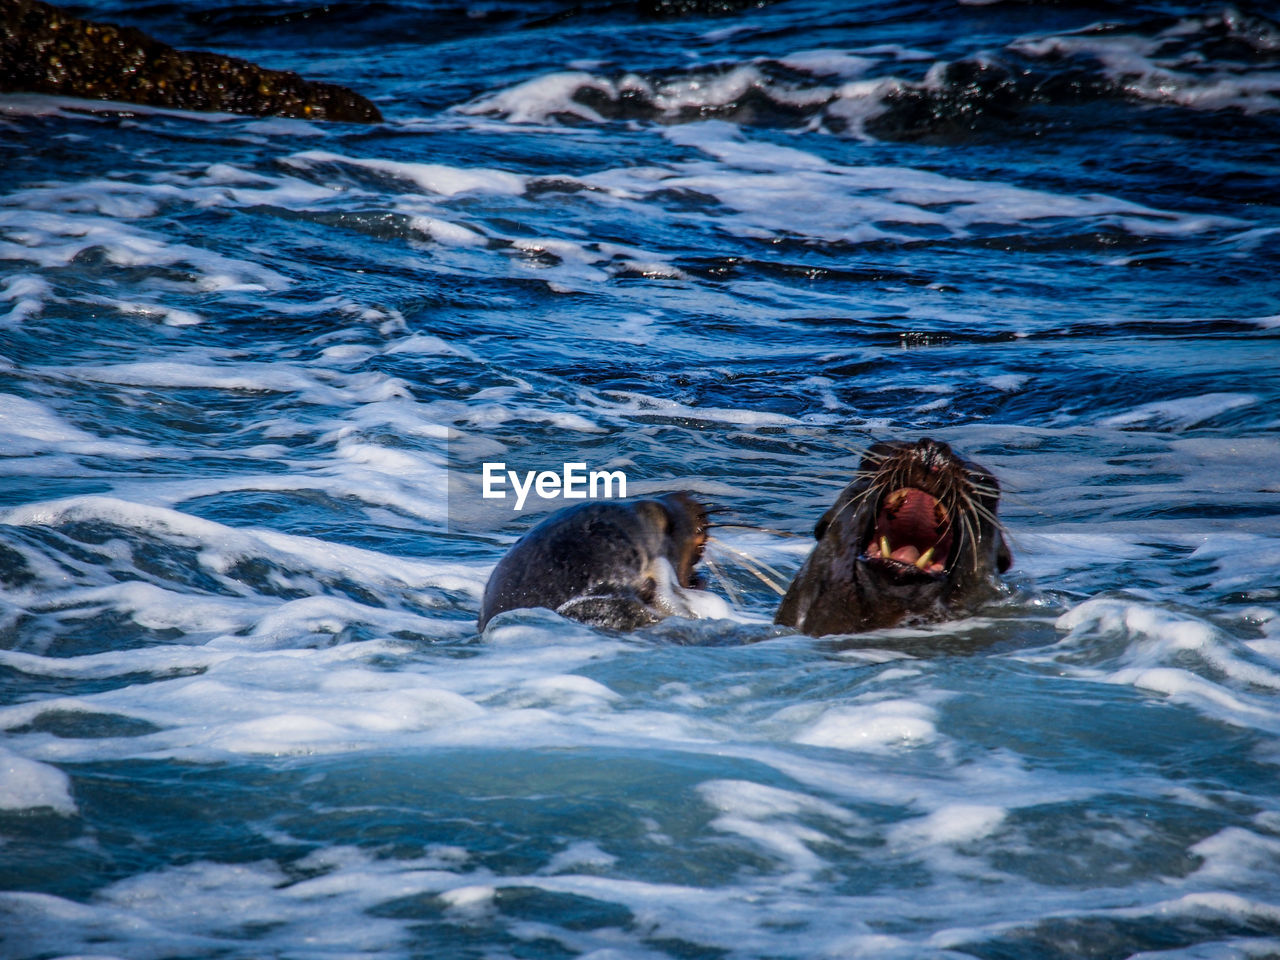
(45, 50)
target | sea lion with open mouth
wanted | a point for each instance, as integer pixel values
(615, 563)
(912, 538)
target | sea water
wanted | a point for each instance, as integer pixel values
(246, 712)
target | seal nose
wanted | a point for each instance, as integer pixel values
(934, 454)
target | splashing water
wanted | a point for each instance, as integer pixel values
(246, 711)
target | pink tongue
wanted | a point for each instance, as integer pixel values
(907, 554)
(916, 518)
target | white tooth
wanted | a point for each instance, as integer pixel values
(926, 557)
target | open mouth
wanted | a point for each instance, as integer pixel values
(912, 532)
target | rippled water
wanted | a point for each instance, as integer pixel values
(246, 711)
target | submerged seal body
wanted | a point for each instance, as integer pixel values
(912, 538)
(617, 563)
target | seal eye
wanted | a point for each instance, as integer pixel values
(696, 548)
(701, 533)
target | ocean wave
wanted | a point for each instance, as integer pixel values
(1202, 63)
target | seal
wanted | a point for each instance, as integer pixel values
(610, 563)
(913, 538)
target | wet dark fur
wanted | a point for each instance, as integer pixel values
(840, 589)
(594, 562)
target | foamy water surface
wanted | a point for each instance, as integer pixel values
(245, 708)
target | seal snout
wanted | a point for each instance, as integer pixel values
(686, 533)
(912, 530)
(933, 455)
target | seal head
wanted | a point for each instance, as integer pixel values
(913, 538)
(616, 563)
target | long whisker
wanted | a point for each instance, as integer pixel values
(821, 481)
(748, 559)
(771, 530)
(749, 563)
(977, 505)
(1015, 497)
(977, 553)
(873, 492)
(851, 502)
(723, 581)
(863, 453)
(988, 515)
(970, 537)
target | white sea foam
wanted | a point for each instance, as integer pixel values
(275, 702)
(766, 816)
(565, 690)
(1233, 948)
(781, 190)
(433, 177)
(1203, 907)
(584, 855)
(856, 102)
(29, 293)
(627, 402)
(195, 906)
(539, 99)
(1242, 560)
(443, 231)
(952, 824)
(28, 785)
(360, 463)
(172, 316)
(1181, 414)
(1008, 382)
(684, 601)
(221, 547)
(879, 726)
(1136, 64)
(251, 377)
(824, 62)
(51, 239)
(830, 84)
(544, 98)
(755, 801)
(1185, 659)
(798, 832)
(1237, 858)
(1055, 553)
(29, 428)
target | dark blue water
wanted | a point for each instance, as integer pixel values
(248, 368)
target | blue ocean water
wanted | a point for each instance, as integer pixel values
(245, 709)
